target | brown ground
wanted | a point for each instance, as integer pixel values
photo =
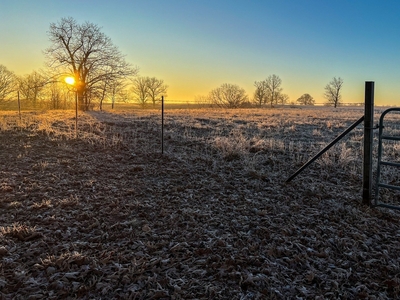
(106, 216)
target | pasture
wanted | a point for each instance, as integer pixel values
(106, 216)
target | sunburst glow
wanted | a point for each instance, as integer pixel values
(70, 80)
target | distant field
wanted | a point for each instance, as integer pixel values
(106, 215)
(169, 104)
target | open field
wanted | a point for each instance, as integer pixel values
(106, 216)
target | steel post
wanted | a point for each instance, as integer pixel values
(368, 142)
(162, 124)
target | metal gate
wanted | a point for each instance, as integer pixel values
(383, 137)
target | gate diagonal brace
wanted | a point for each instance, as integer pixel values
(337, 139)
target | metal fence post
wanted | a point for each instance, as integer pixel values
(368, 141)
(162, 124)
(19, 107)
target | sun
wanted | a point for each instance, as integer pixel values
(70, 80)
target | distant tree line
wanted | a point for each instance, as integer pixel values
(101, 75)
(37, 91)
(267, 92)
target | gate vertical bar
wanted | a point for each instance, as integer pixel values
(368, 140)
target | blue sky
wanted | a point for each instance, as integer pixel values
(196, 46)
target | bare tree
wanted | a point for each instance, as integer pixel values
(31, 86)
(7, 83)
(140, 90)
(117, 89)
(156, 88)
(109, 90)
(228, 95)
(87, 53)
(262, 92)
(306, 99)
(58, 95)
(102, 93)
(148, 89)
(333, 91)
(283, 99)
(274, 86)
(123, 95)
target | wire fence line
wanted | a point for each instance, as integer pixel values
(168, 103)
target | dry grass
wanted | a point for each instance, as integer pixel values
(20, 231)
(106, 216)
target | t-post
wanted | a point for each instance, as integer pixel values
(162, 124)
(76, 113)
(368, 140)
(19, 107)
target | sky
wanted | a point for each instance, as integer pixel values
(197, 45)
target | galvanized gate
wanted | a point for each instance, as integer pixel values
(383, 137)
